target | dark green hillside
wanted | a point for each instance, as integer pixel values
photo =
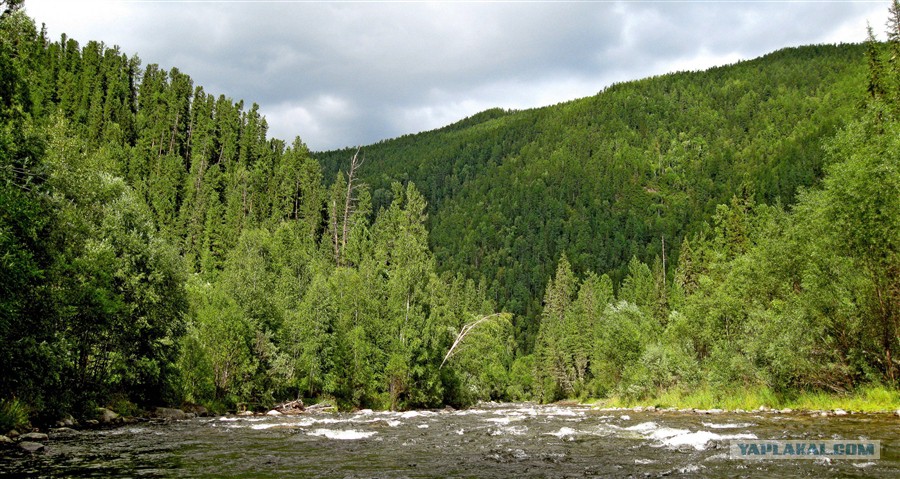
(608, 177)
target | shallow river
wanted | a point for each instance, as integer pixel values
(504, 440)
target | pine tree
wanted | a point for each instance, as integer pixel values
(553, 363)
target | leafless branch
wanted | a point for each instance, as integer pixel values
(462, 334)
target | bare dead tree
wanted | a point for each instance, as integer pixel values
(340, 239)
(349, 204)
(464, 332)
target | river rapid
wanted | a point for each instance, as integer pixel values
(490, 441)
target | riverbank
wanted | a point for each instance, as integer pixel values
(870, 399)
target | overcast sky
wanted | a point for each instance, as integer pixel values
(349, 73)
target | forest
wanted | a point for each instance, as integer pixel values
(730, 229)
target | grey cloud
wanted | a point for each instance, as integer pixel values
(341, 74)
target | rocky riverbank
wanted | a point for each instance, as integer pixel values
(36, 439)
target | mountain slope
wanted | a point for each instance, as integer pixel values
(615, 175)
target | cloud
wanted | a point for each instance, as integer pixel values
(339, 74)
(319, 118)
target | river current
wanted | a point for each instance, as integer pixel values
(490, 441)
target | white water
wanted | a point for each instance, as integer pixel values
(676, 437)
(349, 434)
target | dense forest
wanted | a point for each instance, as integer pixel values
(619, 174)
(157, 248)
(734, 228)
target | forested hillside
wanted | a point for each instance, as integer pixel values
(733, 229)
(612, 176)
(766, 301)
(158, 247)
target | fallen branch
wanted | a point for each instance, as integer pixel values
(462, 334)
(290, 407)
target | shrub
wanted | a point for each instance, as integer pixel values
(13, 414)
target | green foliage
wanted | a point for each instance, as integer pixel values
(638, 286)
(554, 372)
(521, 379)
(483, 362)
(624, 332)
(13, 414)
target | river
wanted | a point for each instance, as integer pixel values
(491, 441)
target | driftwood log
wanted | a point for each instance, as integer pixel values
(291, 407)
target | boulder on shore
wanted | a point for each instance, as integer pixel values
(67, 421)
(106, 416)
(5, 440)
(169, 413)
(196, 409)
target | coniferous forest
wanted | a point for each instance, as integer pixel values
(728, 230)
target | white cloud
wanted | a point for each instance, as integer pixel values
(320, 117)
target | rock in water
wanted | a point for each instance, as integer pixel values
(5, 440)
(33, 436)
(105, 416)
(31, 446)
(169, 413)
(273, 413)
(840, 412)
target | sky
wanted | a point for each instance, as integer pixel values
(352, 73)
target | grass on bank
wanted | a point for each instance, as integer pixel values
(875, 398)
(13, 414)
